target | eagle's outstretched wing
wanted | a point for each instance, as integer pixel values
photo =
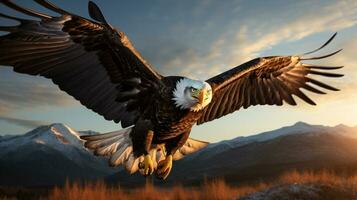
(89, 60)
(266, 81)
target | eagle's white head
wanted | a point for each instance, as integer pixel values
(192, 94)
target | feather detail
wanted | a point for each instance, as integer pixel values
(268, 81)
(117, 145)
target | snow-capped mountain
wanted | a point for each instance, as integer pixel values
(57, 136)
(49, 154)
(55, 149)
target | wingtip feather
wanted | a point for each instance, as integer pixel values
(321, 57)
(95, 13)
(321, 47)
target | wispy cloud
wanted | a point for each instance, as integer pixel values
(23, 122)
(231, 48)
(18, 92)
(334, 17)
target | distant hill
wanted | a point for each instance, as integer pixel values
(48, 155)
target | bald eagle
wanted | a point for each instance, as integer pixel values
(98, 65)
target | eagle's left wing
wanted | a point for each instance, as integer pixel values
(90, 60)
(266, 81)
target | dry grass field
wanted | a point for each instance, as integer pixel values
(217, 189)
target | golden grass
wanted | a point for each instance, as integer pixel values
(217, 189)
(99, 191)
(325, 177)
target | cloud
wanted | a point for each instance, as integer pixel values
(329, 18)
(20, 92)
(23, 122)
(252, 38)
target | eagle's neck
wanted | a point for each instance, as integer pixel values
(180, 96)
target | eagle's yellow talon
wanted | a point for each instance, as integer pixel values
(148, 165)
(164, 168)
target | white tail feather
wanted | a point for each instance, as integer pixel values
(106, 135)
(119, 147)
(189, 147)
(116, 137)
(132, 164)
(121, 155)
(108, 141)
(107, 150)
(100, 143)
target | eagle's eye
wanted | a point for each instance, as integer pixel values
(193, 89)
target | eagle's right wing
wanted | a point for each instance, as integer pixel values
(89, 60)
(267, 81)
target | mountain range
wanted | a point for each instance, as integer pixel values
(48, 155)
(258, 157)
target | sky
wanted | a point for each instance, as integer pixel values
(199, 39)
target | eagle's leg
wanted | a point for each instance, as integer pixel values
(148, 163)
(164, 167)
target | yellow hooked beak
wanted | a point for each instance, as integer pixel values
(200, 95)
